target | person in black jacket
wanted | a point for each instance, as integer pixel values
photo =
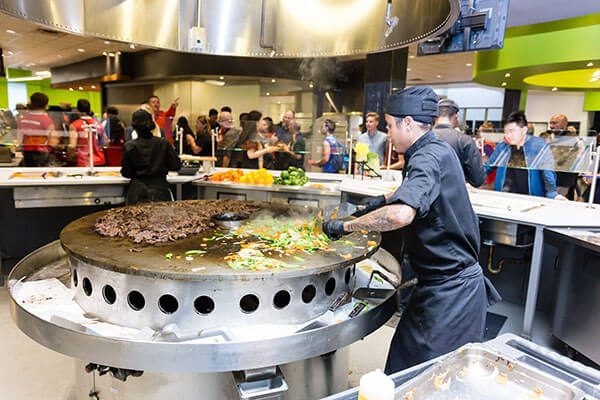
(146, 161)
(465, 147)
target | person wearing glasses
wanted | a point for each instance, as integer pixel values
(227, 137)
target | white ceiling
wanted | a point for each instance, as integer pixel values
(528, 12)
(35, 50)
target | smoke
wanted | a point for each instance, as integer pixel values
(322, 72)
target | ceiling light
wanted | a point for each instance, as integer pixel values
(597, 73)
(106, 42)
(507, 75)
(43, 74)
(104, 53)
(278, 102)
(408, 69)
(118, 53)
(273, 80)
(214, 83)
(81, 50)
(132, 46)
(310, 85)
(595, 79)
(411, 56)
(93, 86)
(70, 89)
(59, 56)
(111, 54)
(268, 94)
(503, 83)
(80, 87)
(468, 64)
(554, 89)
(10, 53)
(590, 64)
(439, 76)
(221, 77)
(10, 31)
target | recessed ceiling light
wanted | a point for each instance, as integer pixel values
(273, 80)
(118, 53)
(70, 89)
(503, 83)
(93, 86)
(221, 77)
(278, 102)
(310, 85)
(104, 53)
(81, 50)
(111, 54)
(507, 75)
(595, 79)
(268, 94)
(590, 64)
(408, 69)
(59, 56)
(10, 53)
(468, 64)
(106, 42)
(554, 89)
(411, 56)
(10, 31)
(439, 76)
(132, 46)
(80, 87)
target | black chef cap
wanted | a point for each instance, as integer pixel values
(141, 121)
(420, 102)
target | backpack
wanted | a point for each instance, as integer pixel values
(339, 161)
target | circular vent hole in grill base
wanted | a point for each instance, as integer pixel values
(109, 294)
(168, 304)
(87, 287)
(282, 299)
(136, 300)
(249, 303)
(204, 305)
(347, 276)
(309, 293)
(330, 286)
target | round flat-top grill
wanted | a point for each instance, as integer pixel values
(137, 285)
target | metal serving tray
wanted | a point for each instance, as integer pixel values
(474, 372)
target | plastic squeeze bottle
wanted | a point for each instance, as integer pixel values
(376, 385)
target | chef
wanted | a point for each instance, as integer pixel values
(448, 307)
(147, 161)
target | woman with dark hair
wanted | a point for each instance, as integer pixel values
(146, 161)
(203, 142)
(251, 149)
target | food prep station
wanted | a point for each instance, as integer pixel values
(164, 325)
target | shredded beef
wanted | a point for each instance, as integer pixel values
(154, 223)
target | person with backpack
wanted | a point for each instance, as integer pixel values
(332, 159)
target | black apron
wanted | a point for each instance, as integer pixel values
(145, 190)
(443, 313)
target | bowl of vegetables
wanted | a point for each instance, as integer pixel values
(293, 176)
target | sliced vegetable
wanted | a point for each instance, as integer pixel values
(168, 256)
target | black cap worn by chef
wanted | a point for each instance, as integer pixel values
(420, 102)
(142, 123)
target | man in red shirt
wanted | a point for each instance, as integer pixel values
(80, 132)
(35, 131)
(164, 119)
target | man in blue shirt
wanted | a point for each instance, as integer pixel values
(376, 139)
(524, 163)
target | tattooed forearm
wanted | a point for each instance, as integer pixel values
(385, 219)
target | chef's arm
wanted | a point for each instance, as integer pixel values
(388, 218)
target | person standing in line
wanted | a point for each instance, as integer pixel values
(376, 139)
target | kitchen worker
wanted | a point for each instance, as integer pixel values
(80, 132)
(447, 308)
(445, 128)
(146, 161)
(36, 133)
(164, 119)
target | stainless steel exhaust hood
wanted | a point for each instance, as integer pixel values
(252, 28)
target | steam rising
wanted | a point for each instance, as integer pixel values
(323, 72)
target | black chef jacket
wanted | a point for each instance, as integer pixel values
(447, 308)
(147, 161)
(444, 236)
(467, 152)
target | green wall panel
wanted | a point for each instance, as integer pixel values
(591, 101)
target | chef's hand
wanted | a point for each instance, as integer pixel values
(370, 205)
(175, 103)
(334, 229)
